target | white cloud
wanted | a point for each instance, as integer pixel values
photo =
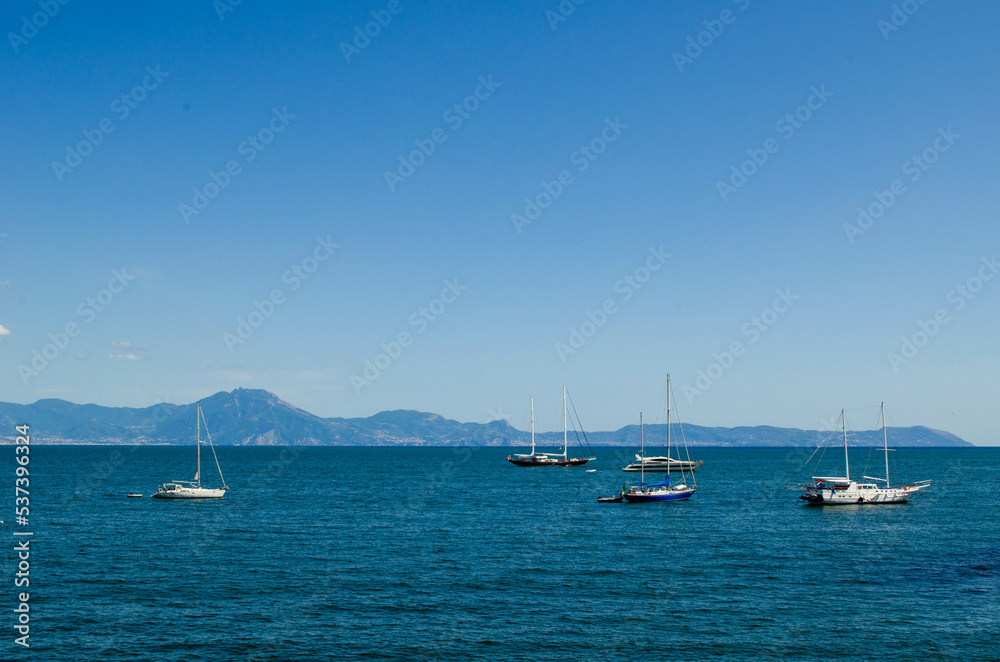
(123, 345)
(126, 357)
(4, 331)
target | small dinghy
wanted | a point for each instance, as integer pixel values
(133, 495)
(617, 499)
(592, 471)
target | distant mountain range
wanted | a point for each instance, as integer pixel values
(251, 417)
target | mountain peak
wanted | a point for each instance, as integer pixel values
(258, 395)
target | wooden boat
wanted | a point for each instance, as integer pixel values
(535, 459)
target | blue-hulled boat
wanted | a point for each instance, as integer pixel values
(662, 491)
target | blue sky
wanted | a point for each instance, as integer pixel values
(309, 137)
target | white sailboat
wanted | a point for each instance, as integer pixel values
(192, 489)
(836, 490)
(536, 459)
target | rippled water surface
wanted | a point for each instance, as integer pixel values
(408, 554)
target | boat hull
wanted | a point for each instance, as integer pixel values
(190, 493)
(663, 468)
(643, 497)
(859, 495)
(527, 462)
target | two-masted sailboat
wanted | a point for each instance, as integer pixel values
(192, 489)
(662, 491)
(837, 490)
(536, 459)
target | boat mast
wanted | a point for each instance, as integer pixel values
(532, 426)
(885, 438)
(668, 426)
(642, 445)
(565, 445)
(197, 474)
(847, 463)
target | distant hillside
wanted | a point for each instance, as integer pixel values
(250, 417)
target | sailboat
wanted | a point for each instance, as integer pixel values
(662, 463)
(536, 459)
(192, 489)
(662, 491)
(834, 491)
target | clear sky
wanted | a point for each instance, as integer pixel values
(164, 168)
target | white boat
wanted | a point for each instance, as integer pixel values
(536, 459)
(662, 463)
(192, 489)
(837, 490)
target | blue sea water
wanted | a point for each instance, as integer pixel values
(454, 554)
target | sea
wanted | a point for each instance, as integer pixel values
(455, 554)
